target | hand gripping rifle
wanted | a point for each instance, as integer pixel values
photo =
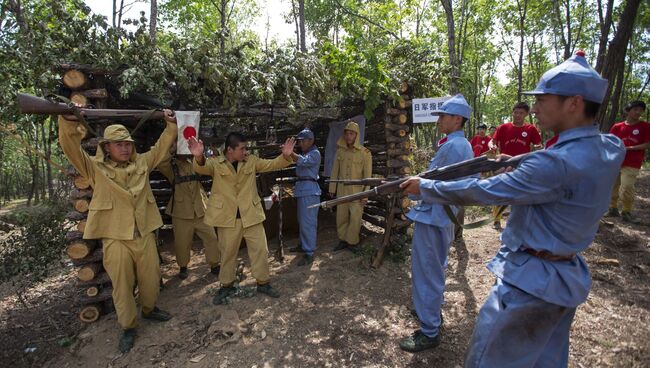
(450, 172)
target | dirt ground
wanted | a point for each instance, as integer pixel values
(337, 313)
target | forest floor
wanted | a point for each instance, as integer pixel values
(338, 312)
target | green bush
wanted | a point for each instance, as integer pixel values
(35, 245)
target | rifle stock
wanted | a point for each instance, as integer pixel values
(450, 172)
(29, 104)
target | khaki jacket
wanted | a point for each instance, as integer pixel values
(350, 163)
(122, 199)
(189, 199)
(236, 190)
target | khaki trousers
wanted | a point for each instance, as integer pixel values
(125, 262)
(258, 253)
(184, 230)
(495, 213)
(348, 221)
(624, 189)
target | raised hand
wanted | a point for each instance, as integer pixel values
(196, 147)
(287, 147)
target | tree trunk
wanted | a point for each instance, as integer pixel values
(615, 57)
(48, 154)
(605, 24)
(222, 41)
(522, 22)
(451, 46)
(153, 21)
(301, 18)
(616, 96)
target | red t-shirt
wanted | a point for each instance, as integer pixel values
(632, 135)
(479, 145)
(552, 141)
(513, 140)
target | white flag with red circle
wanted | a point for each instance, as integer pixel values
(188, 126)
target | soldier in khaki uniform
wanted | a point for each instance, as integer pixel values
(352, 161)
(235, 207)
(123, 213)
(187, 208)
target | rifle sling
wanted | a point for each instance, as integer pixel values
(473, 225)
(76, 113)
(144, 118)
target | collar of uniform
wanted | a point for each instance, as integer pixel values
(117, 164)
(576, 133)
(456, 134)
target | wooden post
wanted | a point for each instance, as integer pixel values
(378, 257)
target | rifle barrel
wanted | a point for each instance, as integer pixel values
(29, 104)
(455, 171)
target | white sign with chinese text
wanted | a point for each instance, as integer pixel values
(422, 108)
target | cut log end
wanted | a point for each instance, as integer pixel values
(81, 205)
(79, 99)
(81, 183)
(81, 226)
(90, 313)
(89, 271)
(74, 79)
(403, 87)
(80, 249)
(92, 291)
(400, 119)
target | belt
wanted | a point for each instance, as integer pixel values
(186, 178)
(548, 256)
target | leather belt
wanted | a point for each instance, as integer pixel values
(186, 179)
(548, 256)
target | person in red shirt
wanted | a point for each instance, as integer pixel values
(515, 138)
(491, 131)
(635, 134)
(480, 141)
(551, 141)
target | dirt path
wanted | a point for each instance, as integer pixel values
(342, 313)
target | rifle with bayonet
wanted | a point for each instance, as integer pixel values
(451, 172)
(29, 104)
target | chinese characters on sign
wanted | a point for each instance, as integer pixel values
(422, 108)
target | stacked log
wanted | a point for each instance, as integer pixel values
(394, 161)
(86, 254)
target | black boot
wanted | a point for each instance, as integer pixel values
(268, 290)
(127, 340)
(342, 245)
(158, 315)
(182, 274)
(223, 295)
(215, 270)
(419, 342)
(306, 260)
(297, 249)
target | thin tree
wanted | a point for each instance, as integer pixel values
(615, 61)
(451, 46)
(153, 20)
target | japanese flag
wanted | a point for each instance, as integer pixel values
(188, 126)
